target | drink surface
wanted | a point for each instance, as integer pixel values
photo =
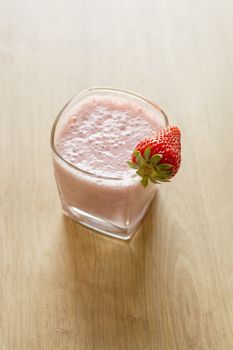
(101, 132)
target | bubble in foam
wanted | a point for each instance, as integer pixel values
(73, 118)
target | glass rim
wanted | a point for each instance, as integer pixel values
(86, 92)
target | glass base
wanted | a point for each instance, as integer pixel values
(103, 226)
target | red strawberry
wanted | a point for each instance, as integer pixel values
(158, 158)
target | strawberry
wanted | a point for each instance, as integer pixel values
(158, 158)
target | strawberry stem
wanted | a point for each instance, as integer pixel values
(150, 168)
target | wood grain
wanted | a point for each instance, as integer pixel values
(63, 287)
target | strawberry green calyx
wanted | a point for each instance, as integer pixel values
(150, 168)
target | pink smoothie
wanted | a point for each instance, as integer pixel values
(97, 135)
(100, 135)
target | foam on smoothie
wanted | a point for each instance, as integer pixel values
(101, 132)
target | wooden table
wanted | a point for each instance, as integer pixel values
(62, 286)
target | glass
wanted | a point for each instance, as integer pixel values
(112, 206)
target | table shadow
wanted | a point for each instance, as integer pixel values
(109, 282)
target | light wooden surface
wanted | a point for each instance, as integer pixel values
(63, 287)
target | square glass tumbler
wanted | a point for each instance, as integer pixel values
(112, 206)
